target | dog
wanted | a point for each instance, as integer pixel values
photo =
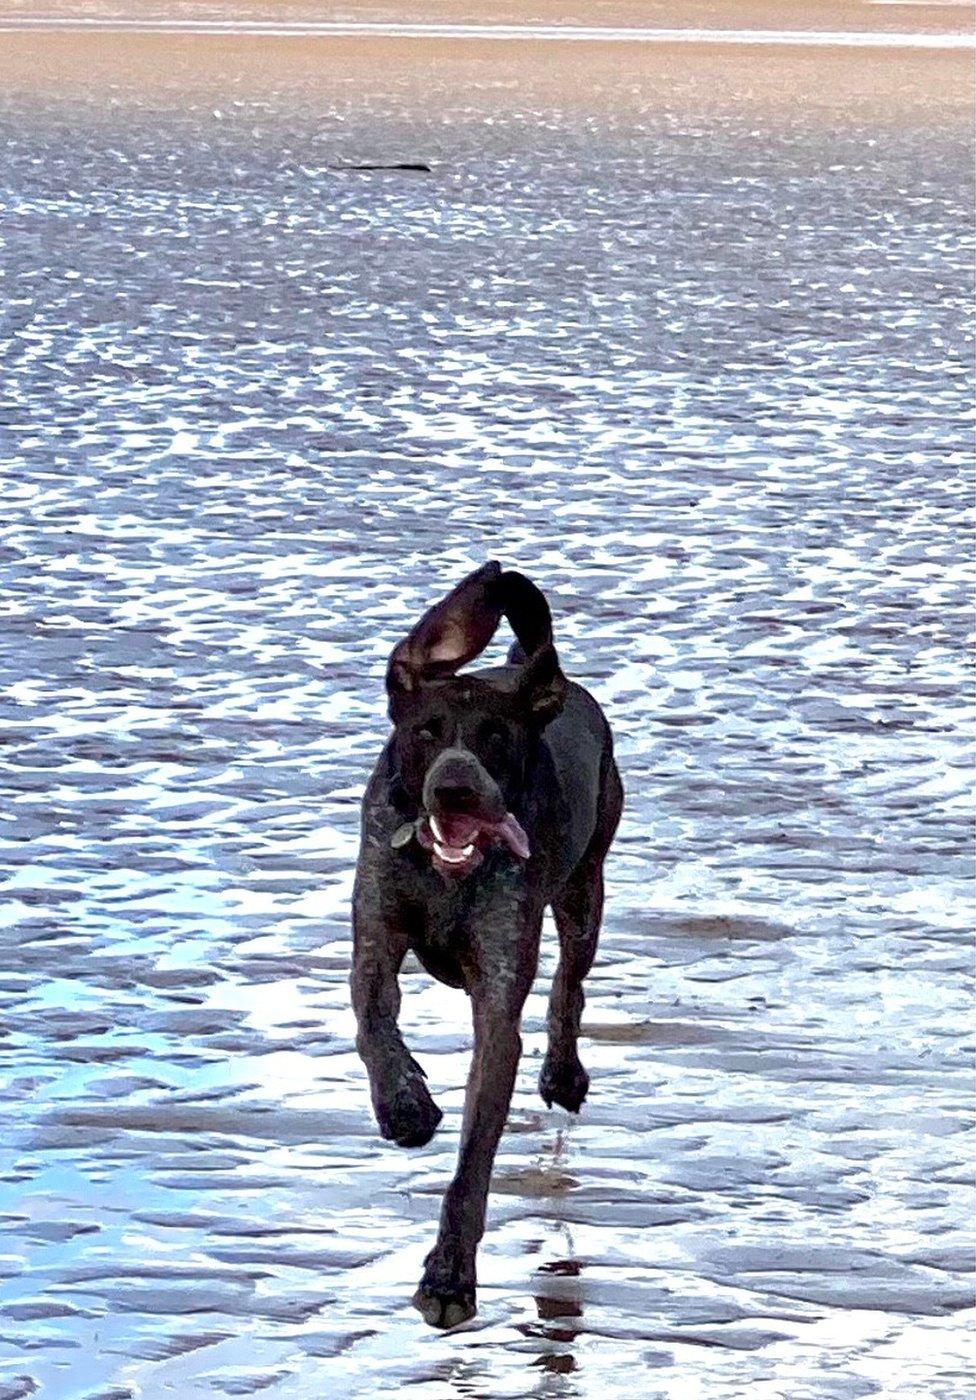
(496, 796)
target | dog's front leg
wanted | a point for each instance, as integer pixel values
(446, 1295)
(404, 1109)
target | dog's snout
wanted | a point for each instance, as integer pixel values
(456, 782)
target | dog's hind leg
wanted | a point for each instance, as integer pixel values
(404, 1109)
(563, 1080)
(578, 910)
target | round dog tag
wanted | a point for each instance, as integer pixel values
(402, 836)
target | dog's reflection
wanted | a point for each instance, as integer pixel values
(557, 1312)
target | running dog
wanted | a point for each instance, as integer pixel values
(496, 796)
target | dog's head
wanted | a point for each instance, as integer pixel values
(463, 744)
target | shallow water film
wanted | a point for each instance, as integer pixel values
(707, 383)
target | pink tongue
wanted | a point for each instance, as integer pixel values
(457, 832)
(512, 834)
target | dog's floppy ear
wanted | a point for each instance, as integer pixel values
(542, 685)
(450, 634)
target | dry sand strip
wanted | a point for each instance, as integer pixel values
(833, 78)
(521, 33)
(822, 16)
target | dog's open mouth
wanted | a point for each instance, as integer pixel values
(457, 842)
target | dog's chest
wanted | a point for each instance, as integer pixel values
(459, 928)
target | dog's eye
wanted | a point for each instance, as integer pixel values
(494, 734)
(430, 731)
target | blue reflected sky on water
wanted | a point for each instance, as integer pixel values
(710, 387)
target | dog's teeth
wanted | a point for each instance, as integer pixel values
(451, 856)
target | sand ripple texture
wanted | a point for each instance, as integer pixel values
(710, 387)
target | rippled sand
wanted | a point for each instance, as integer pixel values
(692, 352)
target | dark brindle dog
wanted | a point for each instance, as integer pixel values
(496, 795)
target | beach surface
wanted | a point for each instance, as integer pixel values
(683, 330)
(705, 56)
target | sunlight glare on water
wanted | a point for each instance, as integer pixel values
(708, 385)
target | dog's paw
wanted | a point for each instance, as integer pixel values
(563, 1081)
(409, 1117)
(444, 1307)
(445, 1296)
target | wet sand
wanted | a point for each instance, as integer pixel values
(684, 334)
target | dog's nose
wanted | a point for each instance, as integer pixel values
(454, 795)
(456, 782)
